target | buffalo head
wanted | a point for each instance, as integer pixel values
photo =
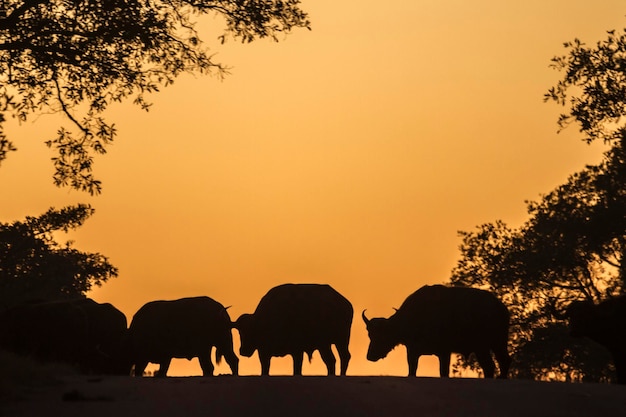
(245, 324)
(582, 318)
(382, 337)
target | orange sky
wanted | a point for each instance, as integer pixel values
(349, 155)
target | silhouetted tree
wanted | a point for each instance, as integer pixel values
(573, 245)
(594, 87)
(536, 280)
(77, 57)
(34, 266)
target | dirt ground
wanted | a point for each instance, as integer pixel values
(315, 396)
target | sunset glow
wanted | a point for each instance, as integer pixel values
(350, 155)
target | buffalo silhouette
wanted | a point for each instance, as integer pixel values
(184, 328)
(439, 320)
(80, 332)
(293, 319)
(604, 323)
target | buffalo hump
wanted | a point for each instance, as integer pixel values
(308, 312)
(457, 304)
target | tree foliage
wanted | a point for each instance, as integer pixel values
(594, 87)
(573, 246)
(76, 57)
(565, 251)
(34, 266)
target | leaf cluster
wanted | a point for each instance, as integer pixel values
(34, 266)
(79, 56)
(593, 86)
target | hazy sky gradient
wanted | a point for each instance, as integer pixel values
(349, 155)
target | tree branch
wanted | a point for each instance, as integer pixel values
(14, 16)
(68, 55)
(66, 111)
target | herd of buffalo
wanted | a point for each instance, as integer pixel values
(291, 319)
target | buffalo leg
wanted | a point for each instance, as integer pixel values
(486, 362)
(504, 361)
(164, 365)
(344, 357)
(412, 358)
(233, 361)
(206, 364)
(619, 361)
(265, 363)
(329, 359)
(444, 364)
(140, 367)
(297, 363)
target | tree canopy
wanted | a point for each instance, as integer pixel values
(76, 57)
(594, 87)
(34, 266)
(573, 246)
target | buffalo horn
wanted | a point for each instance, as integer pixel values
(365, 319)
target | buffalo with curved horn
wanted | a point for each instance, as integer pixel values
(439, 320)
